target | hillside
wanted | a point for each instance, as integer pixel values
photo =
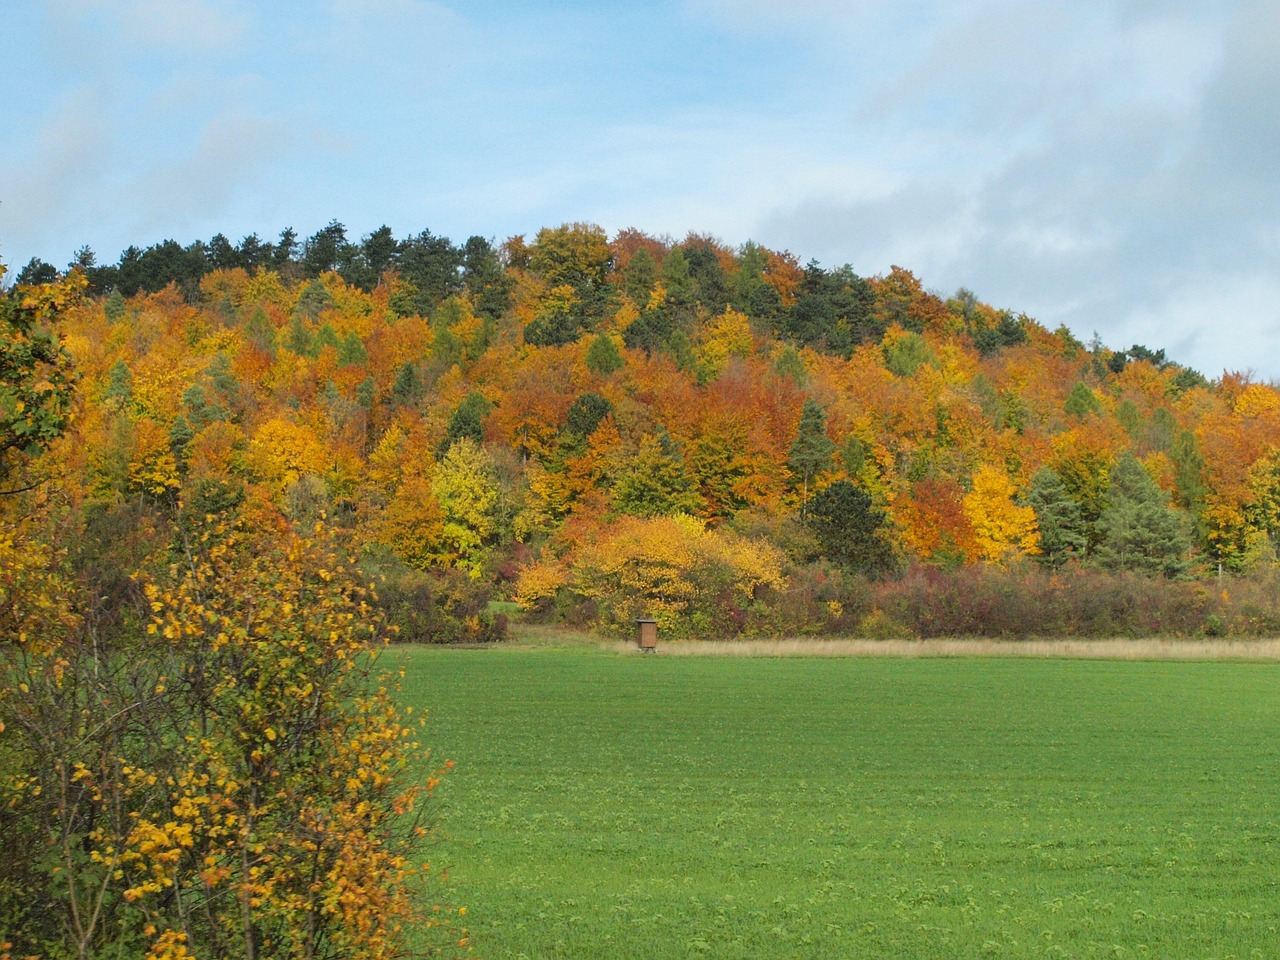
(602, 428)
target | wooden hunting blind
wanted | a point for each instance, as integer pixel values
(647, 635)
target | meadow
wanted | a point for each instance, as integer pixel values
(607, 804)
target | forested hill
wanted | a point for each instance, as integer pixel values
(602, 428)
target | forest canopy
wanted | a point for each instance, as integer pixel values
(524, 421)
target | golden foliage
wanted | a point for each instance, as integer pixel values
(281, 451)
(673, 569)
(1002, 529)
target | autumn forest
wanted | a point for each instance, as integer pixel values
(728, 440)
(325, 441)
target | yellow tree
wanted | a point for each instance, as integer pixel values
(725, 336)
(467, 491)
(228, 783)
(1002, 528)
(694, 581)
(412, 525)
(281, 452)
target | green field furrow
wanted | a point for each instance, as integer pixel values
(623, 806)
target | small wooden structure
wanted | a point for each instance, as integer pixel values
(647, 635)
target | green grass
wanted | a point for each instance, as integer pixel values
(641, 807)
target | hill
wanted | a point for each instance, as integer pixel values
(602, 428)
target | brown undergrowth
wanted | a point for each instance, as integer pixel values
(1101, 649)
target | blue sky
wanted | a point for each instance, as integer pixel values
(1114, 166)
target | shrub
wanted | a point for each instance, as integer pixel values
(1024, 600)
(438, 605)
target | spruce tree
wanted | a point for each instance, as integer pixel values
(1138, 529)
(1058, 517)
(848, 527)
(603, 357)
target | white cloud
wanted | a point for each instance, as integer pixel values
(55, 186)
(229, 159)
(1224, 322)
(173, 27)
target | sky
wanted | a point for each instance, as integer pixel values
(1112, 166)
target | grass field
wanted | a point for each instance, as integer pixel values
(619, 806)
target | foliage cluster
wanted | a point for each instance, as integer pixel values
(1017, 602)
(199, 753)
(511, 412)
(226, 778)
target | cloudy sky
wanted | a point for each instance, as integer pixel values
(1113, 165)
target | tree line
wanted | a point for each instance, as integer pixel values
(483, 420)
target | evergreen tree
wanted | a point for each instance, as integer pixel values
(260, 332)
(603, 357)
(679, 284)
(298, 338)
(367, 393)
(377, 254)
(585, 415)
(225, 382)
(119, 384)
(313, 301)
(1081, 402)
(352, 351)
(1058, 517)
(434, 266)
(485, 278)
(848, 527)
(201, 413)
(751, 293)
(1189, 472)
(905, 355)
(833, 311)
(326, 336)
(467, 421)
(180, 435)
(639, 277)
(1138, 529)
(791, 365)
(327, 249)
(286, 250)
(408, 385)
(113, 307)
(656, 483)
(811, 452)
(37, 272)
(558, 322)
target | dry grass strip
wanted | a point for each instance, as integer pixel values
(1111, 649)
